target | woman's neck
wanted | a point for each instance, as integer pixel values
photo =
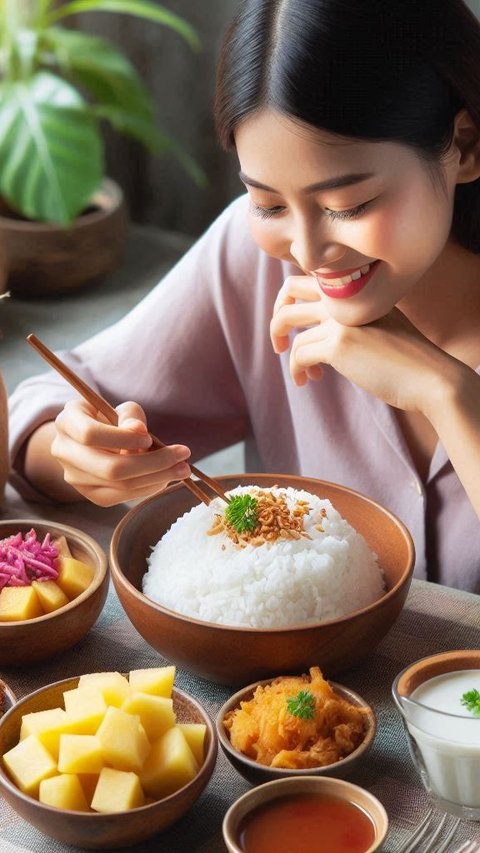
(445, 304)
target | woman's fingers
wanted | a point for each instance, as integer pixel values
(290, 314)
(111, 464)
(297, 287)
(113, 487)
(119, 491)
(82, 422)
(102, 465)
(298, 316)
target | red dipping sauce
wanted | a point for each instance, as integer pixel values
(312, 823)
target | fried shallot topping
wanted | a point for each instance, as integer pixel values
(275, 520)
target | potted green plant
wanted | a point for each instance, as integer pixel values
(63, 223)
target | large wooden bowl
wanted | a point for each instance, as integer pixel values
(27, 642)
(233, 655)
(92, 830)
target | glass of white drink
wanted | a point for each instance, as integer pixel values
(439, 700)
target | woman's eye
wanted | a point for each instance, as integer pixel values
(266, 212)
(351, 213)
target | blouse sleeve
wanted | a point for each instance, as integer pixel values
(174, 353)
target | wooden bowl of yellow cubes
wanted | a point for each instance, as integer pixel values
(45, 618)
(106, 760)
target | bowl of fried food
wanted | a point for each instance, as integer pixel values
(108, 759)
(295, 726)
(290, 573)
(53, 585)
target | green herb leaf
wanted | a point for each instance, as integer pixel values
(241, 513)
(302, 706)
(471, 701)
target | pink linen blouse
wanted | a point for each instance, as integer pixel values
(196, 354)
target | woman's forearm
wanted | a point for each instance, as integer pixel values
(455, 415)
(42, 470)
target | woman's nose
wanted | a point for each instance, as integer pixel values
(312, 253)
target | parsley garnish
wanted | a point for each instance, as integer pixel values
(471, 701)
(302, 705)
(241, 513)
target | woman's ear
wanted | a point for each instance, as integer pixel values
(466, 139)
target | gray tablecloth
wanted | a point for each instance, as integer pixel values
(435, 619)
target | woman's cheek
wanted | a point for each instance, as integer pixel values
(266, 237)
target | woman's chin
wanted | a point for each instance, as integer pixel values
(358, 316)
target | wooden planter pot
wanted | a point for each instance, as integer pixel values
(48, 260)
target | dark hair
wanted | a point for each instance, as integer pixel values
(396, 70)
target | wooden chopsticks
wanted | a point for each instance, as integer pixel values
(109, 412)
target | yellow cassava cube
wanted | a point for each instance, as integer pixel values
(62, 547)
(18, 603)
(80, 754)
(47, 726)
(169, 766)
(124, 743)
(28, 763)
(73, 576)
(113, 686)
(117, 791)
(194, 734)
(86, 709)
(156, 713)
(157, 680)
(50, 596)
(63, 792)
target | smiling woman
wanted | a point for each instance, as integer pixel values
(353, 258)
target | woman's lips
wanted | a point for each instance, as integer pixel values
(345, 291)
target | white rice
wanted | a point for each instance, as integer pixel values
(266, 586)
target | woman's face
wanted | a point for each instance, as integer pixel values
(368, 219)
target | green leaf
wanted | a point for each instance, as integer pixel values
(143, 130)
(138, 8)
(242, 513)
(98, 66)
(302, 705)
(191, 167)
(137, 127)
(43, 6)
(50, 149)
(471, 701)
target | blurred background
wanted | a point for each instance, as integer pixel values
(158, 190)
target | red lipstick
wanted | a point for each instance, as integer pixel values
(345, 291)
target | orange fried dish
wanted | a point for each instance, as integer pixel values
(265, 730)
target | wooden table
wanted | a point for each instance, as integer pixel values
(434, 619)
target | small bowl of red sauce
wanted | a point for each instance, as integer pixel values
(313, 814)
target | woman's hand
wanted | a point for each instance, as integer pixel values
(111, 464)
(389, 358)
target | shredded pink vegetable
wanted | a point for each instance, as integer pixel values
(23, 560)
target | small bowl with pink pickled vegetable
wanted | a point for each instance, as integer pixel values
(53, 585)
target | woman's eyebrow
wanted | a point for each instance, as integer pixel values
(330, 184)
